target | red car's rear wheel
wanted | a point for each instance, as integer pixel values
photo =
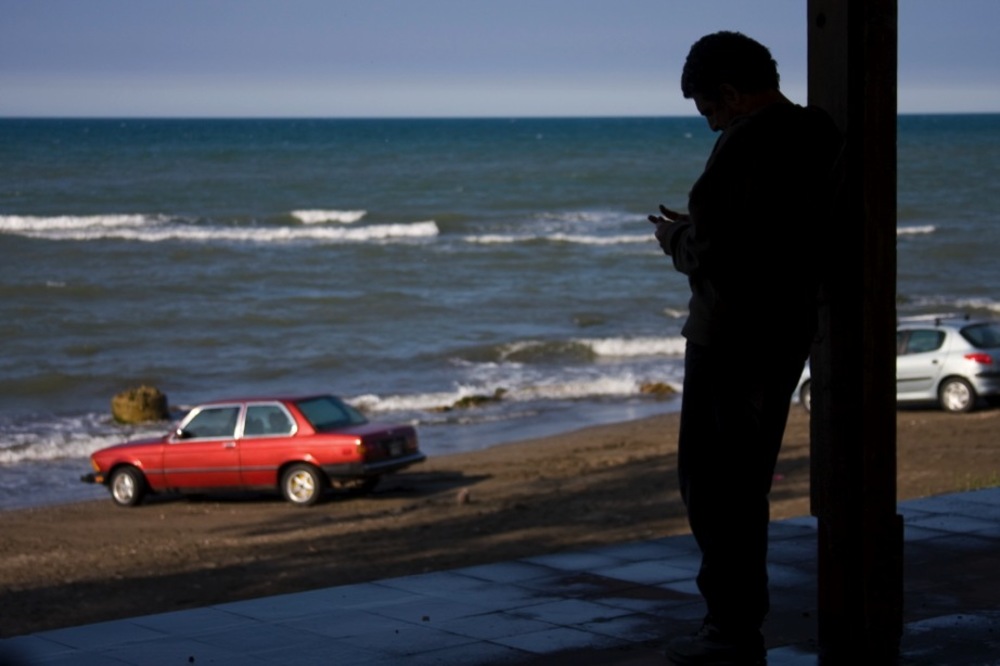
(302, 484)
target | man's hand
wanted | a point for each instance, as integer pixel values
(666, 219)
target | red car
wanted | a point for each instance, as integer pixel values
(298, 446)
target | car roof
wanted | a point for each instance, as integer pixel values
(264, 398)
(948, 320)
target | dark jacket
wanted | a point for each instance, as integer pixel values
(751, 248)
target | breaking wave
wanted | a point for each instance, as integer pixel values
(159, 228)
(916, 230)
(559, 237)
(323, 216)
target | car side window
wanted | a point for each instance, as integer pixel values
(922, 341)
(212, 422)
(267, 420)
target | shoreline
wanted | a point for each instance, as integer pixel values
(89, 561)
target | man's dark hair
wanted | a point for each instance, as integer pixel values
(728, 57)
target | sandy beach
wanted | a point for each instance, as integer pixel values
(87, 562)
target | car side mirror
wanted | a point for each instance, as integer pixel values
(181, 433)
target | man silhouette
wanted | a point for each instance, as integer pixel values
(748, 245)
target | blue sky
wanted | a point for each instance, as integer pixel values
(354, 58)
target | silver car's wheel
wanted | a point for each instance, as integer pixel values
(127, 486)
(805, 396)
(302, 485)
(957, 396)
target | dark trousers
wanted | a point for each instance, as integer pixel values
(733, 415)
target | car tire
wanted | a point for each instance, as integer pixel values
(127, 486)
(957, 396)
(302, 485)
(805, 395)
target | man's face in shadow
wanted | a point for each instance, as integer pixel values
(719, 111)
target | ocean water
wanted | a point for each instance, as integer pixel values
(402, 264)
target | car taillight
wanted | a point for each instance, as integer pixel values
(979, 357)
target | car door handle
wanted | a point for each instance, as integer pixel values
(229, 445)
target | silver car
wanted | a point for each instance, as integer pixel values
(951, 360)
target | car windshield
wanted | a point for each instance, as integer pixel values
(984, 336)
(328, 413)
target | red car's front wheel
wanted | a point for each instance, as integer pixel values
(127, 486)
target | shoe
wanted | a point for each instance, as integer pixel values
(712, 647)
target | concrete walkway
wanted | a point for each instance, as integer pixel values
(610, 605)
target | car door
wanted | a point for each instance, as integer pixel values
(268, 442)
(205, 453)
(919, 361)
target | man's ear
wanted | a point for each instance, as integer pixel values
(730, 96)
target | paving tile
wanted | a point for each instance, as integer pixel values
(678, 543)
(650, 572)
(571, 612)
(77, 658)
(801, 552)
(556, 640)
(326, 652)
(438, 583)
(953, 640)
(783, 575)
(477, 654)
(190, 622)
(172, 650)
(579, 561)
(495, 625)
(914, 534)
(361, 596)
(509, 572)
(792, 529)
(669, 606)
(346, 623)
(642, 550)
(252, 638)
(634, 628)
(404, 639)
(102, 634)
(429, 609)
(486, 595)
(791, 656)
(686, 587)
(957, 524)
(32, 649)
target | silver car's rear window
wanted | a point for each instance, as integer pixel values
(983, 336)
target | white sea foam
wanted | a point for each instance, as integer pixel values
(630, 347)
(916, 230)
(61, 438)
(517, 389)
(558, 237)
(157, 228)
(958, 305)
(603, 347)
(34, 225)
(323, 216)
